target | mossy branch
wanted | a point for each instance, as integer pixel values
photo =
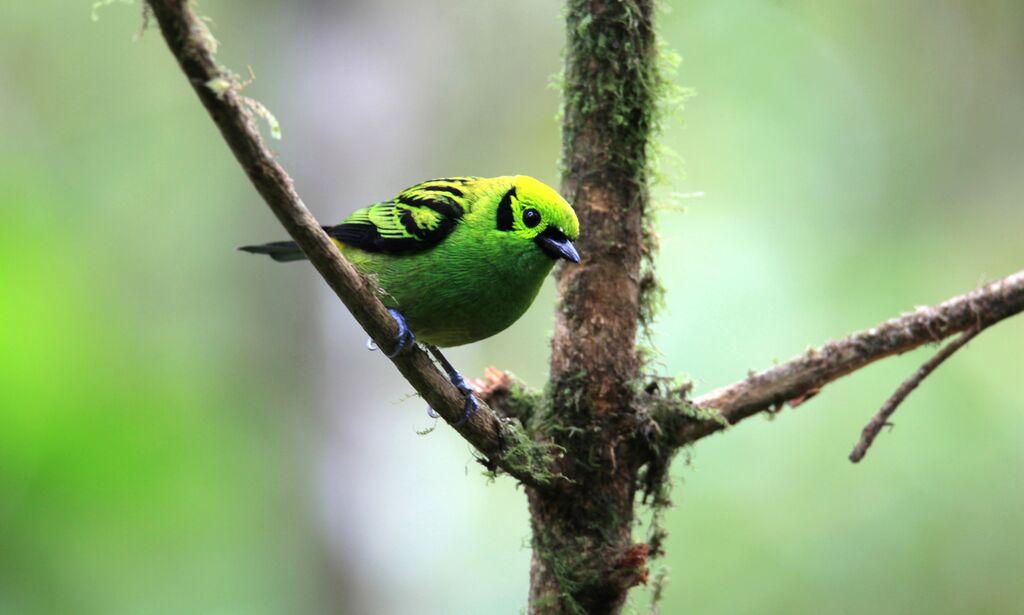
(189, 40)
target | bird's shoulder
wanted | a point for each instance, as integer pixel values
(418, 218)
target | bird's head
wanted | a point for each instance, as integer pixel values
(534, 211)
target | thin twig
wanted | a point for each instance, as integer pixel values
(881, 418)
(808, 373)
(189, 40)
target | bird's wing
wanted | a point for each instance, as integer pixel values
(415, 220)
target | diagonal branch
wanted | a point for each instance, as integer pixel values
(802, 377)
(881, 418)
(188, 38)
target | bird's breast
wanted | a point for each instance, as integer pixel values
(462, 291)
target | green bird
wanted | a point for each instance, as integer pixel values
(459, 259)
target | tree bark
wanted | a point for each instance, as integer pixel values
(584, 559)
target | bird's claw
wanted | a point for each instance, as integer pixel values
(472, 405)
(405, 337)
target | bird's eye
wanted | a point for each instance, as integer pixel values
(531, 218)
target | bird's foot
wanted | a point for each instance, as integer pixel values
(404, 339)
(472, 405)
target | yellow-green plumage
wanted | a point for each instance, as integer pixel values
(461, 258)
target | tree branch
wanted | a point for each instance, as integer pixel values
(881, 418)
(802, 377)
(189, 40)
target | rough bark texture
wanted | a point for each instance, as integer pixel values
(582, 531)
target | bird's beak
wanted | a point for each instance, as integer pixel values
(555, 244)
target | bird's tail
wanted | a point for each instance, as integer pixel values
(280, 251)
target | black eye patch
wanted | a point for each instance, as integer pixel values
(531, 218)
(505, 216)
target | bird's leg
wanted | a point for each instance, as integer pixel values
(405, 338)
(458, 381)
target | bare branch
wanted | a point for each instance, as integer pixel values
(881, 418)
(802, 377)
(189, 40)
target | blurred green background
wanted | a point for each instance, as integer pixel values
(187, 429)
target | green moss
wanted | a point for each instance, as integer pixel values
(610, 81)
(261, 111)
(520, 401)
(573, 569)
(564, 396)
(523, 455)
(563, 416)
(219, 86)
(665, 402)
(532, 456)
